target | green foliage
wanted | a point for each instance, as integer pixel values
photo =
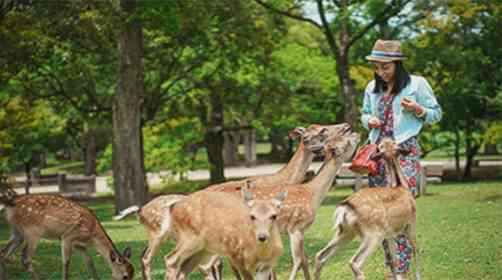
(26, 130)
(167, 146)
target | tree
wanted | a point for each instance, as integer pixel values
(128, 168)
(343, 23)
(27, 129)
(456, 49)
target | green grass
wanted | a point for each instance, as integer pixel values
(459, 233)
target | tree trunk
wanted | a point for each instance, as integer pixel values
(27, 170)
(128, 172)
(457, 154)
(471, 150)
(231, 149)
(214, 138)
(280, 148)
(350, 109)
(250, 147)
(384, 30)
(90, 151)
(347, 84)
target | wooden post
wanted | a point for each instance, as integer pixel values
(423, 182)
(92, 184)
(359, 182)
(62, 182)
(250, 147)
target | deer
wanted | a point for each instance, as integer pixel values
(303, 201)
(374, 214)
(311, 142)
(202, 227)
(150, 215)
(35, 216)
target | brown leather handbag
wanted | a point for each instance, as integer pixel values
(362, 162)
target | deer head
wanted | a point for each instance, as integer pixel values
(263, 214)
(315, 135)
(122, 269)
(390, 151)
(343, 146)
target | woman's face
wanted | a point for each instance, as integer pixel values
(385, 70)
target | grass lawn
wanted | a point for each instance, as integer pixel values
(459, 233)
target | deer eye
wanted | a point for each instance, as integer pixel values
(253, 218)
(274, 217)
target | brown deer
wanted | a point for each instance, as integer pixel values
(374, 214)
(215, 223)
(303, 200)
(311, 142)
(150, 215)
(54, 217)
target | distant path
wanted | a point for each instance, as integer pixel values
(234, 172)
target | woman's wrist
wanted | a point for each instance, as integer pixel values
(419, 111)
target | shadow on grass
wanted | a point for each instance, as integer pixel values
(491, 198)
(333, 199)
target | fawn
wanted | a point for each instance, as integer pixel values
(54, 217)
(213, 223)
(374, 214)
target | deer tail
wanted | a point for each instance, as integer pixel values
(126, 212)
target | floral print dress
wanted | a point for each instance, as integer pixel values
(410, 164)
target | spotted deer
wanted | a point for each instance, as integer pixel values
(374, 214)
(37, 216)
(215, 223)
(300, 206)
(150, 215)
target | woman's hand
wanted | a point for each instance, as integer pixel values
(411, 106)
(374, 122)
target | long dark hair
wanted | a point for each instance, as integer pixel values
(401, 80)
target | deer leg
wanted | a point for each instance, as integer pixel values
(412, 236)
(236, 272)
(299, 257)
(15, 240)
(88, 262)
(340, 239)
(212, 268)
(154, 244)
(192, 262)
(246, 274)
(26, 258)
(265, 274)
(184, 250)
(3, 275)
(367, 247)
(66, 248)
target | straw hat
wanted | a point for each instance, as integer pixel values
(386, 51)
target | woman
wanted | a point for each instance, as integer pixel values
(397, 104)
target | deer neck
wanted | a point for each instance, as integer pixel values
(104, 245)
(294, 171)
(322, 182)
(395, 173)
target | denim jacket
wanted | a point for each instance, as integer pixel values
(406, 124)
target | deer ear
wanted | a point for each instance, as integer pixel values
(113, 256)
(127, 252)
(250, 184)
(376, 156)
(401, 151)
(297, 133)
(279, 199)
(248, 196)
